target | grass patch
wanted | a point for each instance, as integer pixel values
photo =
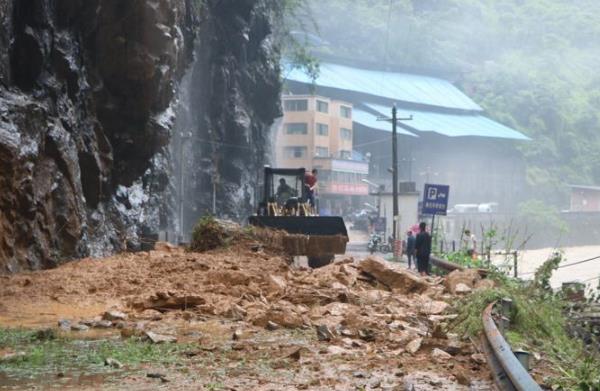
(538, 324)
(42, 354)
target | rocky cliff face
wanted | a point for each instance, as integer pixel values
(87, 105)
(224, 117)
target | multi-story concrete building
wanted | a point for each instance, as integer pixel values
(317, 132)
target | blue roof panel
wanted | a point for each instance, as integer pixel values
(404, 87)
(452, 125)
(370, 121)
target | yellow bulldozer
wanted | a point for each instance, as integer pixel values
(284, 207)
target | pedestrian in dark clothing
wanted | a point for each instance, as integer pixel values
(410, 247)
(423, 249)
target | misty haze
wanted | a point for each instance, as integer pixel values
(288, 194)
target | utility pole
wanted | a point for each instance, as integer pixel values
(395, 170)
(394, 121)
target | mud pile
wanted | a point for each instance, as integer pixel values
(350, 323)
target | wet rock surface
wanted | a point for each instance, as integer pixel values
(224, 117)
(82, 83)
(88, 107)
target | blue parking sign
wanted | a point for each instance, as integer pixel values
(435, 199)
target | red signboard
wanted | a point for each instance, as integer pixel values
(347, 188)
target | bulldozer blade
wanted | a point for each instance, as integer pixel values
(308, 235)
(303, 225)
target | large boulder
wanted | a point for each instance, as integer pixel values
(460, 279)
(393, 277)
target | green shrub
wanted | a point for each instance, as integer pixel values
(207, 235)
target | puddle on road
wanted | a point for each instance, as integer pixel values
(55, 381)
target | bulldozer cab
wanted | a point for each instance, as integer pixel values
(284, 207)
(282, 184)
(284, 193)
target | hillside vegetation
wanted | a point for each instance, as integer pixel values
(530, 63)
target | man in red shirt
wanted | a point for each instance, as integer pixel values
(310, 181)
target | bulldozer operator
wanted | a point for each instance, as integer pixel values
(284, 192)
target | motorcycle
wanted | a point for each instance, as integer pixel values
(376, 244)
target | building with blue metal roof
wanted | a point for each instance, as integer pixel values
(450, 139)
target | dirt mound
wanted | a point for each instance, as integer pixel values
(251, 292)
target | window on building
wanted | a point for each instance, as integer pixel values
(322, 107)
(346, 111)
(346, 134)
(346, 155)
(322, 152)
(295, 152)
(295, 105)
(322, 129)
(296, 128)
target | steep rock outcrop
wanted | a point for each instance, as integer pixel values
(88, 101)
(86, 96)
(231, 103)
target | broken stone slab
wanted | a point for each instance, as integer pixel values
(276, 284)
(439, 356)
(396, 279)
(114, 316)
(462, 288)
(414, 345)
(103, 324)
(165, 301)
(324, 333)
(367, 335)
(159, 338)
(292, 353)
(80, 327)
(433, 307)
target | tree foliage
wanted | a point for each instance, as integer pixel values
(530, 63)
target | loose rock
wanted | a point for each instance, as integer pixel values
(467, 277)
(324, 333)
(64, 324)
(160, 338)
(462, 288)
(440, 356)
(414, 345)
(111, 362)
(114, 316)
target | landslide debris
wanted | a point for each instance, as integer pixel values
(246, 304)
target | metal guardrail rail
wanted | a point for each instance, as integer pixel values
(509, 374)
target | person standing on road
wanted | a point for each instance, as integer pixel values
(410, 248)
(423, 249)
(470, 244)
